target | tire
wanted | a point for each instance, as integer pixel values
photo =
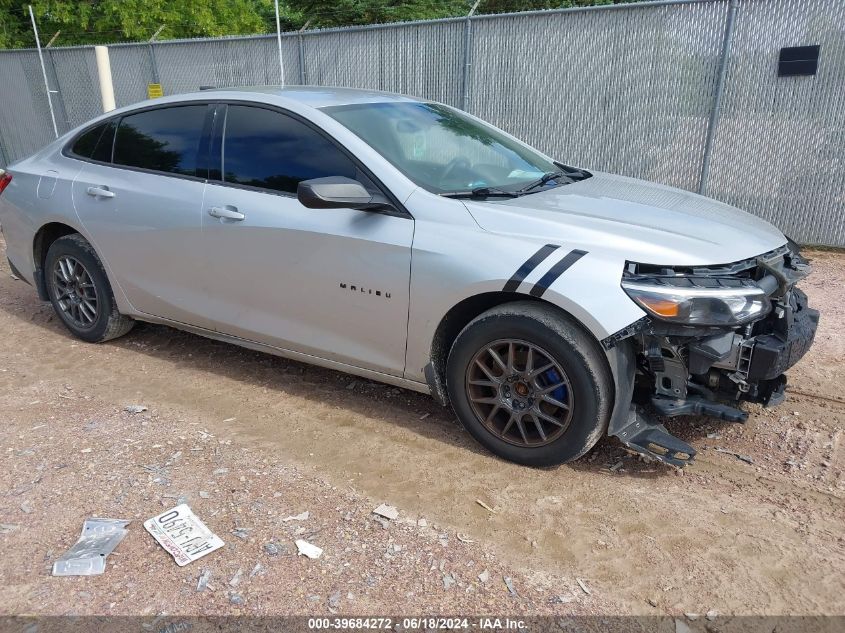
(80, 292)
(580, 379)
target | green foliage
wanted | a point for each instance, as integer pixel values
(105, 21)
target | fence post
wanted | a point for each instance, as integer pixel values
(58, 91)
(44, 72)
(153, 64)
(468, 56)
(717, 98)
(302, 73)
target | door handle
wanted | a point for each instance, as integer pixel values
(100, 192)
(228, 213)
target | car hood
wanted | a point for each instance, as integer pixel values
(643, 221)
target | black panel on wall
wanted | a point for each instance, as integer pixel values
(796, 61)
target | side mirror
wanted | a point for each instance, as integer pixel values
(337, 192)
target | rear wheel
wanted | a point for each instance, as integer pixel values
(80, 292)
(530, 385)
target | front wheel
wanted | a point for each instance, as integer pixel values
(80, 292)
(530, 385)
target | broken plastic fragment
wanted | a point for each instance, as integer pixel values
(386, 511)
(87, 557)
(305, 548)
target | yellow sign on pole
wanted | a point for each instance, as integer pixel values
(154, 91)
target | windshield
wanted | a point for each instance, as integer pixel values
(443, 150)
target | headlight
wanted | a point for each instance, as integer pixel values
(704, 301)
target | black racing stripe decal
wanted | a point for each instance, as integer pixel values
(556, 271)
(530, 264)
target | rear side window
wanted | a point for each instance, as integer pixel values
(268, 149)
(164, 139)
(96, 143)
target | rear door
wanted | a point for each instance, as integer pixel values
(331, 283)
(140, 198)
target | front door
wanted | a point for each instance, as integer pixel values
(332, 283)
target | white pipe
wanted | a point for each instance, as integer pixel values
(44, 72)
(101, 53)
(279, 41)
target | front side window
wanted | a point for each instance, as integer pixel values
(267, 149)
(440, 148)
(164, 139)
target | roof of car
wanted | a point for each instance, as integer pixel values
(323, 96)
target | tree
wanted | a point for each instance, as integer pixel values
(106, 21)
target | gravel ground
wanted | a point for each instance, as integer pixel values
(249, 440)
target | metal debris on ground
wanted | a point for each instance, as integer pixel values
(712, 614)
(234, 580)
(202, 582)
(307, 549)
(8, 528)
(616, 466)
(509, 585)
(241, 533)
(386, 511)
(583, 586)
(135, 408)
(424, 416)
(299, 517)
(566, 599)
(88, 555)
(484, 505)
(740, 456)
(463, 538)
(180, 532)
(484, 576)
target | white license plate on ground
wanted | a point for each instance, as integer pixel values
(181, 533)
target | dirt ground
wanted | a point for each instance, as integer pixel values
(250, 440)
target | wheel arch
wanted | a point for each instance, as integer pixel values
(461, 314)
(44, 238)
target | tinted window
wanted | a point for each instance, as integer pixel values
(87, 143)
(267, 149)
(165, 139)
(104, 146)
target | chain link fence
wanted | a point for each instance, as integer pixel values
(682, 92)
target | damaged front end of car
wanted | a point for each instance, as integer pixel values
(715, 336)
